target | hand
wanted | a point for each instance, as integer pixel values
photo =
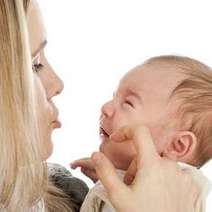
(159, 184)
(86, 167)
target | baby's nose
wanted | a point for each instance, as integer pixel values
(108, 109)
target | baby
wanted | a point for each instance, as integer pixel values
(171, 95)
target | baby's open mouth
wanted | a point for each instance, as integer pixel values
(103, 134)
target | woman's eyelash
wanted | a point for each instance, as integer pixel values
(37, 67)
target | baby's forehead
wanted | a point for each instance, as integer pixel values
(158, 68)
(159, 76)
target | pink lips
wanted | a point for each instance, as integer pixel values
(56, 124)
(103, 135)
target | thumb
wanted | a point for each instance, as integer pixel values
(141, 138)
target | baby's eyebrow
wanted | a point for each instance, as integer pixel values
(128, 92)
(135, 94)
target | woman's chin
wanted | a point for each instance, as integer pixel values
(49, 150)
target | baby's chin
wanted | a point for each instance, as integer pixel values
(117, 162)
(105, 147)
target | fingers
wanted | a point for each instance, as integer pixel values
(142, 140)
(131, 172)
(87, 168)
(107, 174)
(90, 174)
(122, 135)
(145, 146)
(86, 163)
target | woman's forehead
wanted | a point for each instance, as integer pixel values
(36, 28)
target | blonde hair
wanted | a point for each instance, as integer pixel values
(195, 91)
(24, 181)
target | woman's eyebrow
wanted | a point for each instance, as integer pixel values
(42, 45)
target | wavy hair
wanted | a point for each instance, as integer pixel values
(24, 182)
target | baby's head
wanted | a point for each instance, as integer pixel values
(171, 95)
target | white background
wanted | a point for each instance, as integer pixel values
(93, 43)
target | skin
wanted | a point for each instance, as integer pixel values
(47, 83)
(161, 189)
(123, 198)
(143, 97)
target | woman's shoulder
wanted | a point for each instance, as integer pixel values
(62, 178)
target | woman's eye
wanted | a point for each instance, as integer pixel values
(37, 67)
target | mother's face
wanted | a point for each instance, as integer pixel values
(48, 84)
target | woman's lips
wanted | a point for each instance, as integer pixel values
(56, 124)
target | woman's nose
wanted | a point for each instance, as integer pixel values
(108, 109)
(54, 86)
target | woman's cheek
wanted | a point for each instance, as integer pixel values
(44, 115)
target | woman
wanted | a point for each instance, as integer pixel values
(28, 115)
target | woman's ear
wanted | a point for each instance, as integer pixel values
(181, 147)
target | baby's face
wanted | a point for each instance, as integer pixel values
(142, 97)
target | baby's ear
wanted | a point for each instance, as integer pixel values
(181, 147)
